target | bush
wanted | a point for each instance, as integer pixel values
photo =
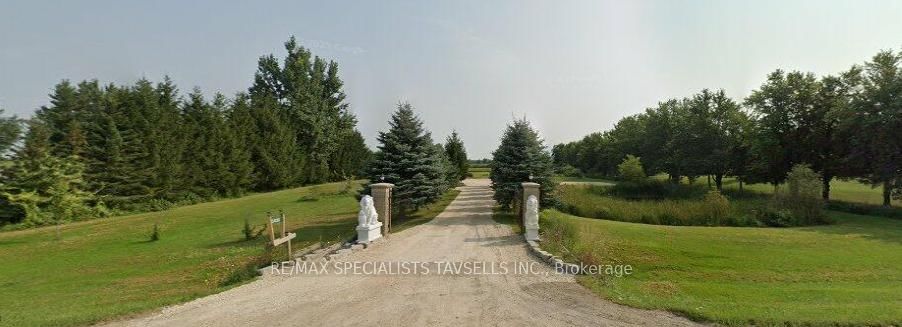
(631, 170)
(568, 171)
(715, 208)
(802, 196)
(155, 234)
(249, 231)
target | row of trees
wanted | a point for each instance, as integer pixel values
(421, 170)
(847, 125)
(145, 146)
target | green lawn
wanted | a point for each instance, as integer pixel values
(106, 268)
(847, 191)
(841, 190)
(479, 172)
(846, 273)
(585, 180)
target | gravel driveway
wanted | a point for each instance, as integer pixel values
(464, 232)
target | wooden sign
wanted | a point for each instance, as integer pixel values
(284, 238)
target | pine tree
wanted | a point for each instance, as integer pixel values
(10, 129)
(457, 154)
(408, 158)
(46, 188)
(279, 159)
(247, 139)
(306, 91)
(351, 158)
(520, 156)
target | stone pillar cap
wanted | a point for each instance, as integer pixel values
(382, 185)
(529, 184)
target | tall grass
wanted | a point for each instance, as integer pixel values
(712, 209)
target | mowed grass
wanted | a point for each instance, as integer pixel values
(840, 190)
(107, 268)
(582, 180)
(846, 273)
(479, 172)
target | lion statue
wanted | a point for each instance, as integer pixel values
(367, 215)
(532, 212)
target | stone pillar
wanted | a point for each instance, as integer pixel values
(530, 231)
(382, 200)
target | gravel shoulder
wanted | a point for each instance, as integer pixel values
(464, 232)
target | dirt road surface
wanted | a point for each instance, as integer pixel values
(464, 232)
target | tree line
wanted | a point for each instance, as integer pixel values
(847, 125)
(97, 148)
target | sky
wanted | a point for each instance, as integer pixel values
(570, 67)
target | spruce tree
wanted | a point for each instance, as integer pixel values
(10, 128)
(457, 154)
(306, 91)
(521, 155)
(351, 158)
(408, 158)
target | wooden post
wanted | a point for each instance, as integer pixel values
(284, 237)
(272, 233)
(285, 222)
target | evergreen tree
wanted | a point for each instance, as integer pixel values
(279, 159)
(520, 156)
(10, 128)
(307, 92)
(246, 136)
(457, 154)
(45, 188)
(408, 158)
(351, 158)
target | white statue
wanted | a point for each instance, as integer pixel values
(532, 212)
(531, 219)
(367, 215)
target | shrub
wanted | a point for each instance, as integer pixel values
(715, 208)
(631, 170)
(802, 196)
(568, 170)
(155, 234)
(249, 231)
(159, 204)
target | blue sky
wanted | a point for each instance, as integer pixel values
(571, 67)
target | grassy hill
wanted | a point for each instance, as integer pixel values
(108, 267)
(846, 273)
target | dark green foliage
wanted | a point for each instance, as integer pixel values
(521, 155)
(10, 129)
(44, 189)
(408, 158)
(144, 147)
(305, 93)
(873, 123)
(457, 154)
(352, 157)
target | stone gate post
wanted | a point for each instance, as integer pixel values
(382, 193)
(531, 230)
